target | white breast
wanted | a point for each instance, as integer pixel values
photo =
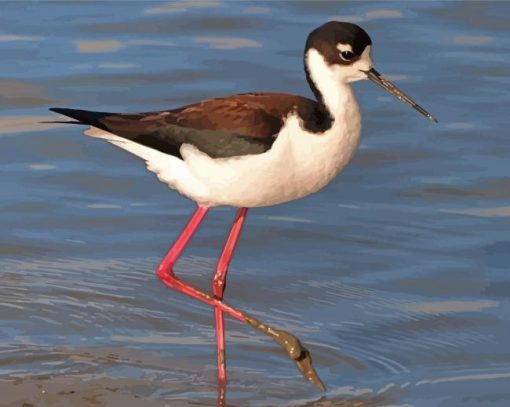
(298, 164)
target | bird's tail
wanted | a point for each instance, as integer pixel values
(62, 121)
(82, 116)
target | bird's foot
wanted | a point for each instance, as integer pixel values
(294, 349)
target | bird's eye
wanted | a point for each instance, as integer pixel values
(346, 55)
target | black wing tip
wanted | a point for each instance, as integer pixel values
(83, 116)
(66, 112)
(73, 113)
(60, 121)
(61, 110)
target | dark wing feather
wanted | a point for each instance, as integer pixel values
(222, 127)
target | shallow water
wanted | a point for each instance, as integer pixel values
(395, 276)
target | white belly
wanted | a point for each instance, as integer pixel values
(298, 164)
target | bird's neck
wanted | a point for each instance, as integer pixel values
(335, 98)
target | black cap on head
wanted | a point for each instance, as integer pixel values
(326, 37)
(342, 43)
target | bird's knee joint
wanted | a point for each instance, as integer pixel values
(165, 274)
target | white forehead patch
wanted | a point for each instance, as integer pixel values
(344, 47)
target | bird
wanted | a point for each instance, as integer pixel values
(252, 150)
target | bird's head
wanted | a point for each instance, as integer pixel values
(343, 47)
(341, 52)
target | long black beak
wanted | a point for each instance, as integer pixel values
(376, 77)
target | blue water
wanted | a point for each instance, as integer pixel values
(395, 276)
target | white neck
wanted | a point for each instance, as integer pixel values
(337, 95)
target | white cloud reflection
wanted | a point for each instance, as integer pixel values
(108, 45)
(228, 42)
(370, 15)
(98, 46)
(383, 13)
(472, 39)
(180, 6)
(21, 124)
(496, 212)
(441, 307)
(10, 38)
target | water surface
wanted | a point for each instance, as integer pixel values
(395, 276)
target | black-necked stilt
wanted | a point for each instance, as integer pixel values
(252, 150)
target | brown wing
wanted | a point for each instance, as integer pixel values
(221, 127)
(257, 115)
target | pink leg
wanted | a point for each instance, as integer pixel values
(166, 274)
(183, 239)
(218, 285)
(290, 343)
